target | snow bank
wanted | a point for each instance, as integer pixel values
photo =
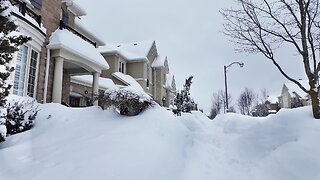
(89, 143)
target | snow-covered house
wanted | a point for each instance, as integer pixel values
(141, 61)
(272, 103)
(292, 96)
(61, 47)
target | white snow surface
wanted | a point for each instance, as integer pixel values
(136, 51)
(127, 79)
(74, 44)
(90, 143)
(15, 9)
(104, 83)
(169, 80)
(88, 30)
(159, 61)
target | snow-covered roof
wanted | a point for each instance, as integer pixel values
(159, 61)
(293, 88)
(104, 83)
(88, 32)
(75, 7)
(169, 81)
(64, 39)
(15, 9)
(127, 79)
(137, 51)
(272, 99)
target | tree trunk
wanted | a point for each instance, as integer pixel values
(315, 104)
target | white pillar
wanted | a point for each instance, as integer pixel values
(95, 86)
(57, 80)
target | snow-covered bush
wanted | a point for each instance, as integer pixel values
(20, 114)
(128, 101)
(3, 128)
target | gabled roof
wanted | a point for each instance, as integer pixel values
(295, 89)
(273, 99)
(64, 39)
(127, 80)
(137, 51)
(159, 61)
(170, 82)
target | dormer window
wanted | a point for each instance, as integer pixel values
(36, 3)
(122, 68)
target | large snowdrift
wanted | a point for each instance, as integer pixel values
(74, 143)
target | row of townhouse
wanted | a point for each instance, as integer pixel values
(66, 62)
(291, 97)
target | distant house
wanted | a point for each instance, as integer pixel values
(292, 96)
(272, 104)
(141, 62)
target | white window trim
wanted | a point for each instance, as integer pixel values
(36, 74)
(27, 70)
(124, 65)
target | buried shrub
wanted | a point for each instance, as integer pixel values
(128, 101)
(20, 115)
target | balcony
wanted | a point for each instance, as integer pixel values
(64, 26)
(25, 13)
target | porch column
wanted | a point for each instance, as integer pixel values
(57, 80)
(95, 86)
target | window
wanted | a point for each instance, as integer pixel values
(65, 17)
(20, 70)
(32, 73)
(25, 71)
(36, 3)
(122, 67)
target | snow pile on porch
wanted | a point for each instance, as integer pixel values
(127, 79)
(104, 83)
(64, 39)
(89, 143)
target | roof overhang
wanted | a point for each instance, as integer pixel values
(75, 8)
(78, 51)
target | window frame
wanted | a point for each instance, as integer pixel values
(122, 67)
(27, 71)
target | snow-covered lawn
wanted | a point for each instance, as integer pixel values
(89, 143)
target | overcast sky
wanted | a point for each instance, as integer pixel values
(189, 33)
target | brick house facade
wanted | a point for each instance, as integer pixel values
(44, 65)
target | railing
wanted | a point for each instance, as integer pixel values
(24, 9)
(64, 26)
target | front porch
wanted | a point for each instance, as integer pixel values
(73, 56)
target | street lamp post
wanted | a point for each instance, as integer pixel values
(241, 64)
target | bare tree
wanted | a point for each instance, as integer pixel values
(246, 100)
(264, 26)
(264, 95)
(217, 101)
